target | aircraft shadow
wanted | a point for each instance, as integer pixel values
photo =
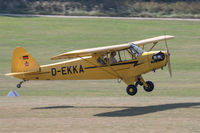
(135, 111)
(61, 107)
(129, 110)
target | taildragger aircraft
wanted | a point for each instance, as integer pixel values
(126, 62)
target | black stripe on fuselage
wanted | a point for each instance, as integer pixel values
(135, 63)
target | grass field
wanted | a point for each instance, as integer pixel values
(93, 106)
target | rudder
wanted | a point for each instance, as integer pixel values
(22, 61)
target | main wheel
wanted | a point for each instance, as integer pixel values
(150, 86)
(131, 90)
(18, 85)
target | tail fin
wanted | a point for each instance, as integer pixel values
(22, 61)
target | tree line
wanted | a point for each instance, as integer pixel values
(129, 8)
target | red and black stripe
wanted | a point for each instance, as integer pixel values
(25, 57)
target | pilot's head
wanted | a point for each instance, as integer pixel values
(113, 54)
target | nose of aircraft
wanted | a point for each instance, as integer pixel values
(166, 53)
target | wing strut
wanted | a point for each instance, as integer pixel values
(154, 44)
(118, 76)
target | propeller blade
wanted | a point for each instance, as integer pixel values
(167, 47)
(169, 66)
(168, 59)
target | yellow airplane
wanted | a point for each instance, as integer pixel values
(126, 62)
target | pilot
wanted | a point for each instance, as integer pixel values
(100, 61)
(112, 58)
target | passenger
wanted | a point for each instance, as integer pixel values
(100, 61)
(112, 58)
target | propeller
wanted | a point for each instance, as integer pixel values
(168, 59)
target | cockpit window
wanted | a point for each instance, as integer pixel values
(118, 56)
(125, 55)
(136, 50)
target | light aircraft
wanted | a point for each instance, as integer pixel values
(126, 62)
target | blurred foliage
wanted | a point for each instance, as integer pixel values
(128, 8)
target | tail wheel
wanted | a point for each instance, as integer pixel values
(131, 90)
(150, 86)
(18, 85)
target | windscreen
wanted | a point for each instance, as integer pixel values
(136, 50)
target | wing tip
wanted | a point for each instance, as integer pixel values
(168, 36)
(53, 58)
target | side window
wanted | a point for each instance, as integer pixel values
(108, 58)
(126, 55)
(115, 57)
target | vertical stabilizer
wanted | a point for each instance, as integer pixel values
(22, 61)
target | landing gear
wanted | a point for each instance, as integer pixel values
(138, 83)
(20, 83)
(148, 86)
(131, 90)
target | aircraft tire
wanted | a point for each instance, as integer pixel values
(131, 90)
(18, 85)
(150, 86)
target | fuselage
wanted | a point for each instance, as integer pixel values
(87, 68)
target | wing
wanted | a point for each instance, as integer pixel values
(94, 51)
(153, 40)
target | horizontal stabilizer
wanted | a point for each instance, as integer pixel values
(21, 73)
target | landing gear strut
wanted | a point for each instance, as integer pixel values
(148, 86)
(20, 83)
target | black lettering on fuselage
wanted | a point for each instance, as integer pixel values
(135, 63)
(66, 70)
(81, 69)
(69, 69)
(74, 69)
(63, 70)
(53, 71)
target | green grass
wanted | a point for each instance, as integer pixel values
(46, 37)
